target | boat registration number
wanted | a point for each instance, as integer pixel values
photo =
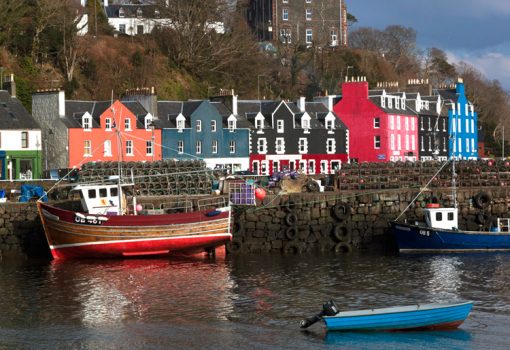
(425, 233)
(92, 220)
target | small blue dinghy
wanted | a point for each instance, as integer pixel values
(413, 317)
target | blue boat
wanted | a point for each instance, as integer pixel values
(440, 234)
(413, 317)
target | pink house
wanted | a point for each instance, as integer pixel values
(381, 126)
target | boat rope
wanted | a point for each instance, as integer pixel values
(422, 190)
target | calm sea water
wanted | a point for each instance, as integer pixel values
(246, 302)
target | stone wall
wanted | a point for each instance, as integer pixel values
(351, 220)
(294, 223)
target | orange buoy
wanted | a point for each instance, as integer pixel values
(432, 205)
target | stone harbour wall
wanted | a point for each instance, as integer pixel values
(297, 223)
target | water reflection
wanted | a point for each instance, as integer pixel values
(102, 293)
(445, 280)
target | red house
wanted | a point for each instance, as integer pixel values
(381, 127)
(95, 138)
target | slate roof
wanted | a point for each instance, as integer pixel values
(76, 109)
(318, 111)
(169, 111)
(130, 10)
(242, 121)
(448, 94)
(13, 116)
(393, 110)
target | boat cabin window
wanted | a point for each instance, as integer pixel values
(450, 216)
(114, 192)
(439, 216)
(103, 193)
(92, 193)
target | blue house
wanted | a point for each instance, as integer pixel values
(204, 130)
(462, 123)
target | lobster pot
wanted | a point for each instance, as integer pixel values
(242, 193)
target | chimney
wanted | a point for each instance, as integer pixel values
(234, 103)
(330, 103)
(61, 104)
(10, 85)
(301, 103)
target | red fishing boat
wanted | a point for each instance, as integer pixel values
(108, 226)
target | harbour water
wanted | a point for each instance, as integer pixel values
(245, 302)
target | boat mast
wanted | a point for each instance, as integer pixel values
(454, 157)
(119, 167)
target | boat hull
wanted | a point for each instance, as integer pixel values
(415, 239)
(416, 317)
(79, 235)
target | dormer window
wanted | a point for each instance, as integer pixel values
(139, 13)
(213, 125)
(180, 123)
(403, 103)
(305, 123)
(232, 124)
(390, 103)
(383, 102)
(279, 126)
(122, 12)
(330, 124)
(148, 123)
(87, 122)
(259, 123)
(108, 124)
(198, 126)
(157, 14)
(397, 103)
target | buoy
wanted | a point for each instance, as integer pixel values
(260, 193)
(139, 207)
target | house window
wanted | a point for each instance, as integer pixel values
(232, 146)
(472, 126)
(180, 147)
(397, 103)
(334, 37)
(139, 13)
(398, 122)
(311, 166)
(87, 123)
(214, 146)
(122, 28)
(198, 125)
(429, 124)
(412, 124)
(261, 146)
(377, 142)
(129, 147)
(413, 141)
(280, 145)
(213, 125)
(444, 144)
(407, 142)
(309, 36)
(108, 123)
(383, 102)
(279, 126)
(421, 123)
(308, 1)
(139, 29)
(467, 125)
(330, 124)
(392, 122)
(390, 102)
(473, 145)
(87, 148)
(259, 124)
(467, 145)
(324, 166)
(198, 147)
(122, 12)
(148, 148)
(24, 139)
(444, 124)
(399, 142)
(330, 146)
(308, 14)
(285, 14)
(407, 123)
(459, 126)
(377, 123)
(303, 145)
(306, 124)
(422, 144)
(392, 142)
(430, 144)
(285, 35)
(127, 124)
(108, 148)
(232, 124)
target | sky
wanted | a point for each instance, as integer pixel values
(473, 31)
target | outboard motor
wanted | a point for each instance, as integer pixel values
(328, 309)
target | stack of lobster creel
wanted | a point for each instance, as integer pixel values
(158, 178)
